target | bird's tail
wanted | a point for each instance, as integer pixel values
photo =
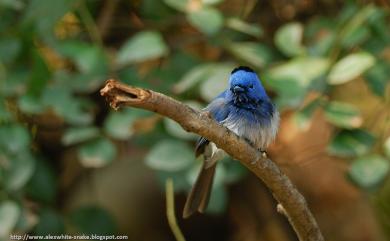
(200, 194)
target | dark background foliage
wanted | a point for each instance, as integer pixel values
(70, 164)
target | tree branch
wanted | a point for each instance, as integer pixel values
(201, 123)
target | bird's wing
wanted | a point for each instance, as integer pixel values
(219, 111)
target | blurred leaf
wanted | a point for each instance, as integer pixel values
(80, 134)
(169, 155)
(378, 77)
(50, 222)
(46, 13)
(119, 125)
(93, 220)
(96, 153)
(88, 58)
(5, 115)
(244, 27)
(207, 19)
(302, 118)
(290, 92)
(304, 69)
(15, 83)
(180, 5)
(343, 115)
(386, 147)
(323, 44)
(254, 53)
(350, 67)
(353, 32)
(14, 138)
(367, 172)
(30, 104)
(351, 143)
(42, 186)
(66, 105)
(9, 215)
(10, 47)
(40, 74)
(292, 79)
(14, 4)
(20, 169)
(142, 46)
(216, 82)
(288, 39)
(192, 77)
(356, 37)
(212, 2)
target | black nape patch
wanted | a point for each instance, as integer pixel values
(244, 68)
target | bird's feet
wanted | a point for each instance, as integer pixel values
(264, 153)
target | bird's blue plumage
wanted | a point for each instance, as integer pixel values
(244, 108)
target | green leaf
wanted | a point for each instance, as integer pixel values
(216, 82)
(79, 134)
(45, 14)
(211, 2)
(356, 37)
(343, 115)
(40, 75)
(254, 53)
(351, 143)
(143, 46)
(96, 153)
(288, 39)
(119, 125)
(93, 220)
(10, 48)
(5, 115)
(207, 19)
(30, 104)
(169, 155)
(180, 5)
(192, 77)
(386, 147)
(89, 59)
(367, 172)
(50, 222)
(9, 215)
(65, 105)
(292, 79)
(20, 169)
(14, 138)
(14, 4)
(377, 78)
(304, 69)
(302, 118)
(42, 186)
(244, 27)
(350, 67)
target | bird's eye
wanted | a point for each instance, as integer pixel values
(251, 86)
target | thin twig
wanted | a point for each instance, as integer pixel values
(283, 190)
(170, 199)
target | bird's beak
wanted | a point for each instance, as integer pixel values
(237, 89)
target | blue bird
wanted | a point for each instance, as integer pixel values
(245, 109)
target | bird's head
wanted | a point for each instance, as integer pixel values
(245, 87)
